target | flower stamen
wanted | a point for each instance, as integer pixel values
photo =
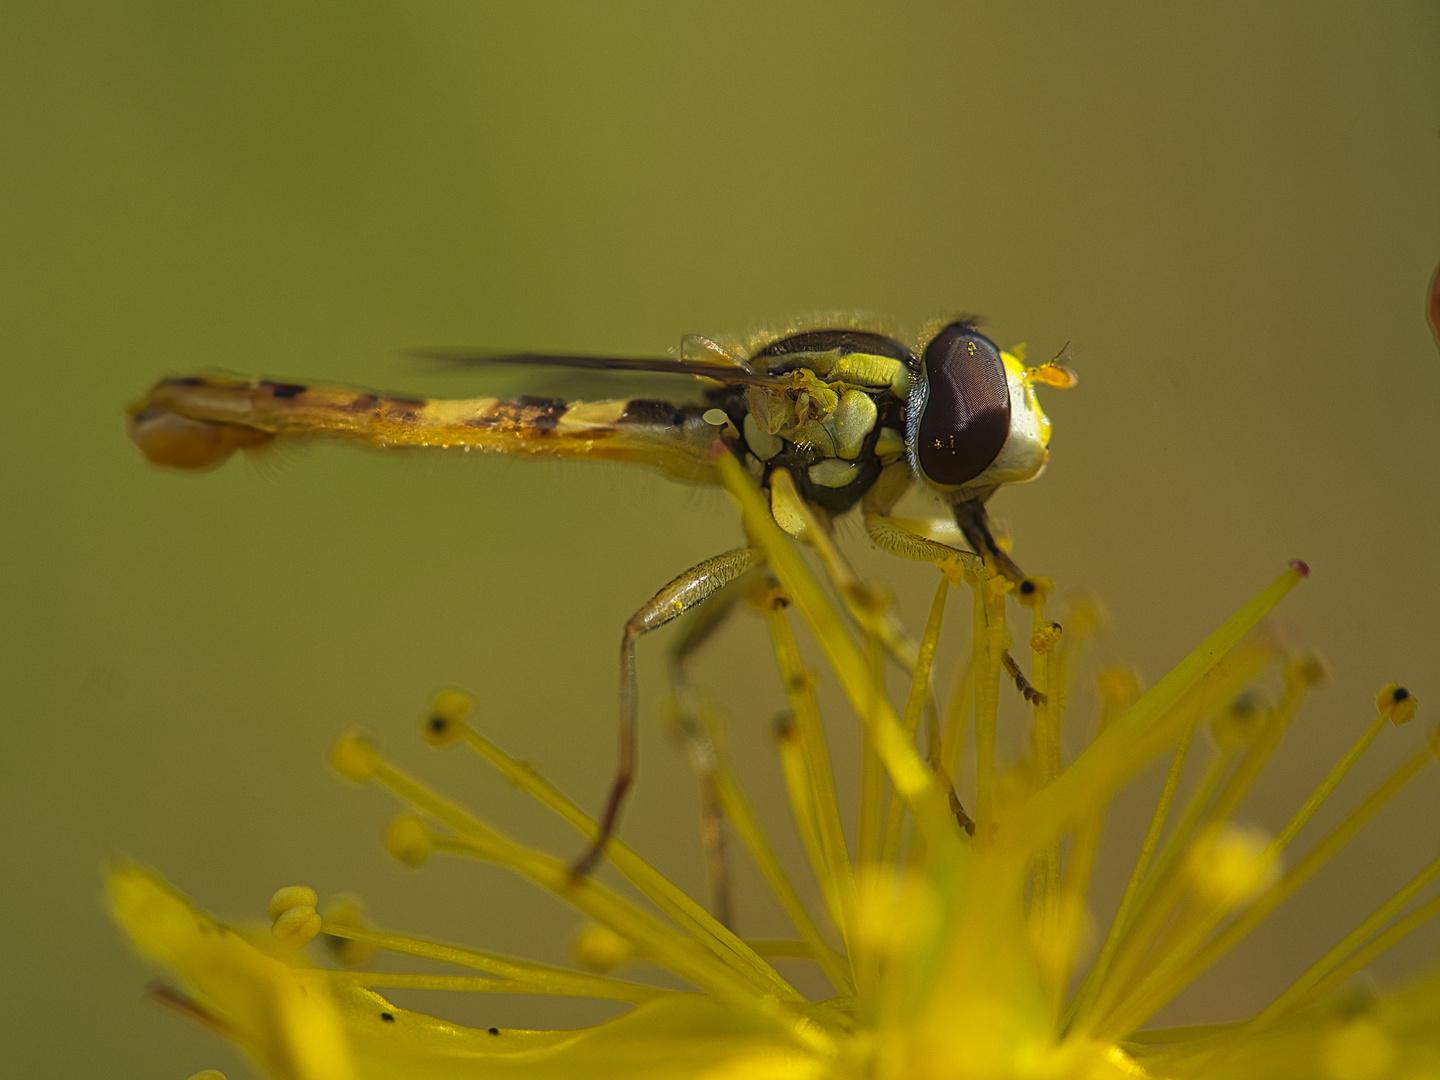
(655, 886)
(1169, 977)
(534, 978)
(652, 938)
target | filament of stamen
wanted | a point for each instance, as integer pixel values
(872, 773)
(1362, 957)
(800, 688)
(1045, 725)
(908, 773)
(747, 827)
(469, 984)
(785, 949)
(652, 938)
(655, 886)
(914, 706)
(1328, 785)
(986, 636)
(535, 978)
(1169, 978)
(1224, 680)
(1162, 888)
(802, 810)
(1076, 883)
(1135, 891)
(1152, 722)
(1243, 779)
(1286, 1001)
(957, 715)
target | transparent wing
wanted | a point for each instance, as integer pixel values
(721, 372)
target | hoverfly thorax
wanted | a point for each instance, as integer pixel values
(971, 417)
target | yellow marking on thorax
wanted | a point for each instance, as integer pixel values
(857, 369)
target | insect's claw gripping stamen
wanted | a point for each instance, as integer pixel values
(962, 819)
(1028, 692)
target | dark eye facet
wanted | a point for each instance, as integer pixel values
(965, 411)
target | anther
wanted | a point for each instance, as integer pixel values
(598, 948)
(800, 682)
(354, 756)
(1361, 1048)
(1118, 687)
(446, 721)
(1301, 567)
(1239, 725)
(1230, 864)
(1397, 703)
(292, 896)
(1044, 639)
(766, 595)
(785, 727)
(296, 926)
(1307, 672)
(346, 910)
(1034, 590)
(409, 840)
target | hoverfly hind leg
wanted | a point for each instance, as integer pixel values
(677, 597)
(699, 747)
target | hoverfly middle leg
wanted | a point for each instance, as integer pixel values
(677, 597)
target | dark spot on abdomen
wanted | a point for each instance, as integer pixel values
(649, 411)
(389, 1018)
(541, 413)
(283, 389)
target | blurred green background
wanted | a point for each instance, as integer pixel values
(1229, 210)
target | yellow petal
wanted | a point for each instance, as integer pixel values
(687, 1037)
(282, 1016)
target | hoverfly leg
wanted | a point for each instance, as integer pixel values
(680, 595)
(699, 749)
(974, 522)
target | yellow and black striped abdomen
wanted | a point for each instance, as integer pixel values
(197, 423)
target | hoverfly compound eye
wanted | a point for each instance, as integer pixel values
(960, 408)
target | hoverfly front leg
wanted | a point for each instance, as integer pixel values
(677, 597)
(974, 522)
(889, 536)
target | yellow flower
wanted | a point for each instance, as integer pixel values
(951, 944)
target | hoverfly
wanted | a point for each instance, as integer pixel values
(824, 419)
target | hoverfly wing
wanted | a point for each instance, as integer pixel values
(721, 372)
(698, 349)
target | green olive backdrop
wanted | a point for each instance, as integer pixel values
(1229, 210)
